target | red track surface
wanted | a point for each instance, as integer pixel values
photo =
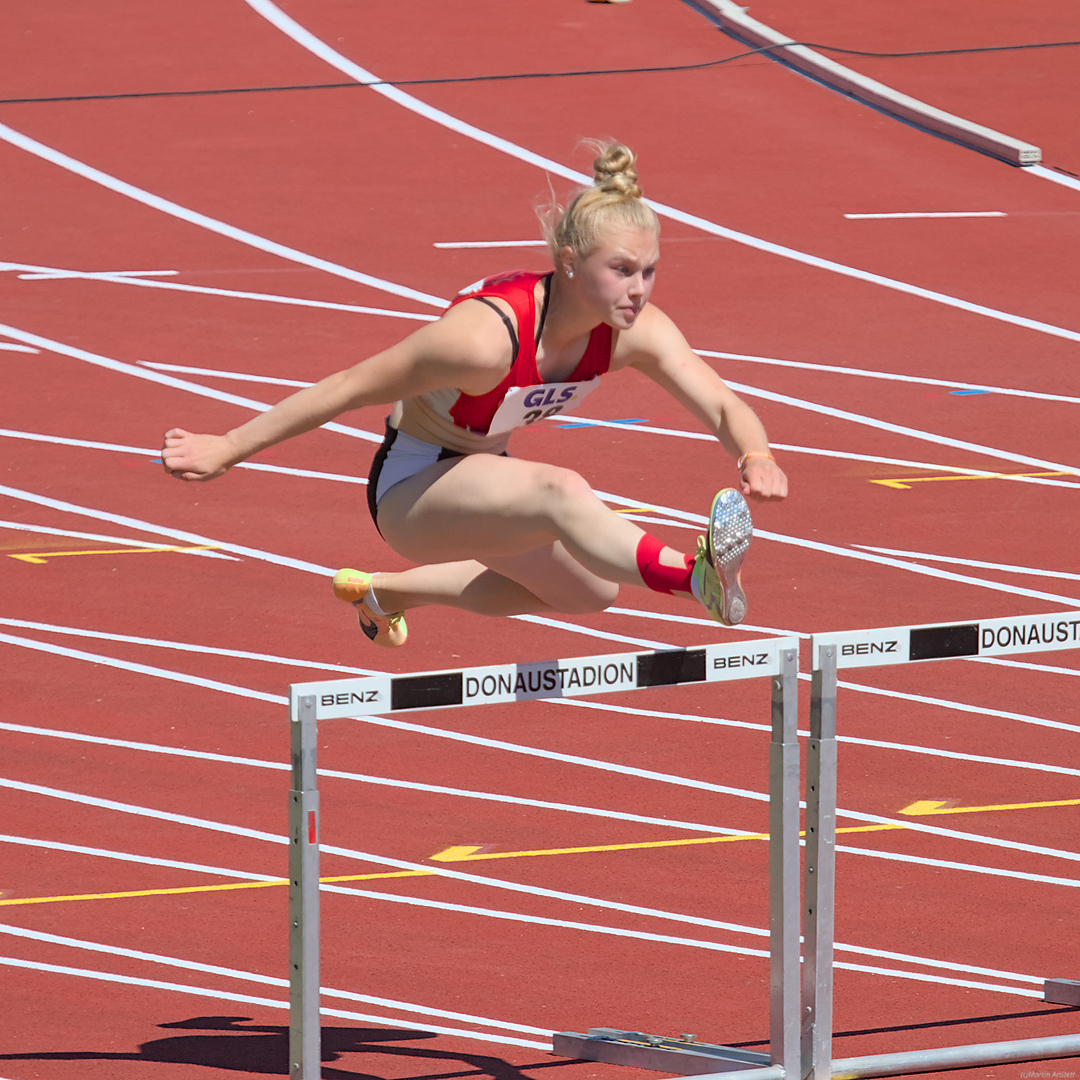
(353, 178)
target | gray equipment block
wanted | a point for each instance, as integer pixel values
(684, 1056)
(1062, 991)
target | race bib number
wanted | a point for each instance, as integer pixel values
(524, 405)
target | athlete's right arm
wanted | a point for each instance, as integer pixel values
(467, 348)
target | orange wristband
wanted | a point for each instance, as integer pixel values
(753, 454)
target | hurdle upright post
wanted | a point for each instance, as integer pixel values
(819, 873)
(784, 1026)
(305, 1033)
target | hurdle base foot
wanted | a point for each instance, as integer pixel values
(1062, 991)
(684, 1056)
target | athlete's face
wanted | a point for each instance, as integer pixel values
(617, 277)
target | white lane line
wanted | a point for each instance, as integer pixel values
(906, 748)
(1011, 590)
(490, 244)
(936, 214)
(668, 778)
(1054, 176)
(158, 530)
(7, 346)
(952, 560)
(428, 868)
(45, 530)
(165, 380)
(866, 373)
(247, 999)
(717, 946)
(946, 864)
(40, 273)
(268, 980)
(238, 376)
(273, 14)
(841, 455)
(900, 429)
(205, 290)
(142, 860)
(832, 549)
(183, 646)
(602, 635)
(1045, 669)
(379, 781)
(154, 456)
(956, 706)
(156, 202)
(141, 669)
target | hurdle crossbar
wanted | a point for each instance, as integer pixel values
(866, 648)
(776, 658)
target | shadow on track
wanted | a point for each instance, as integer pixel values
(264, 1050)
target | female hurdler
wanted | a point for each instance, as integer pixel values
(498, 535)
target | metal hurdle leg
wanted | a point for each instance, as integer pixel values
(819, 886)
(305, 1034)
(784, 868)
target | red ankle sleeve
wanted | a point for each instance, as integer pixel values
(660, 578)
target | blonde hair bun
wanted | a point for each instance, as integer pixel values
(614, 171)
(613, 198)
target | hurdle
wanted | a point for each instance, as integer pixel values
(886, 646)
(775, 658)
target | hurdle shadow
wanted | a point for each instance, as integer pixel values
(257, 1049)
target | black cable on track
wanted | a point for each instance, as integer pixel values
(538, 74)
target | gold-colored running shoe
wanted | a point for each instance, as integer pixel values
(715, 579)
(387, 631)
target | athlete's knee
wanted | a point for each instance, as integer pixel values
(562, 489)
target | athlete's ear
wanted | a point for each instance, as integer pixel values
(565, 261)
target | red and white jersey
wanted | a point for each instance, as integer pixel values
(482, 423)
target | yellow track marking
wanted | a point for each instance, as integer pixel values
(454, 854)
(919, 809)
(232, 886)
(40, 557)
(904, 484)
(461, 854)
(468, 853)
(635, 510)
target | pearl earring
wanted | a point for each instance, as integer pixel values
(570, 274)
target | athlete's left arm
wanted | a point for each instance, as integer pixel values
(656, 347)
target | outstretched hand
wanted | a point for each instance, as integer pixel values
(195, 457)
(763, 480)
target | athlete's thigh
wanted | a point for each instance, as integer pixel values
(477, 507)
(553, 575)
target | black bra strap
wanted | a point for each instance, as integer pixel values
(543, 310)
(506, 321)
